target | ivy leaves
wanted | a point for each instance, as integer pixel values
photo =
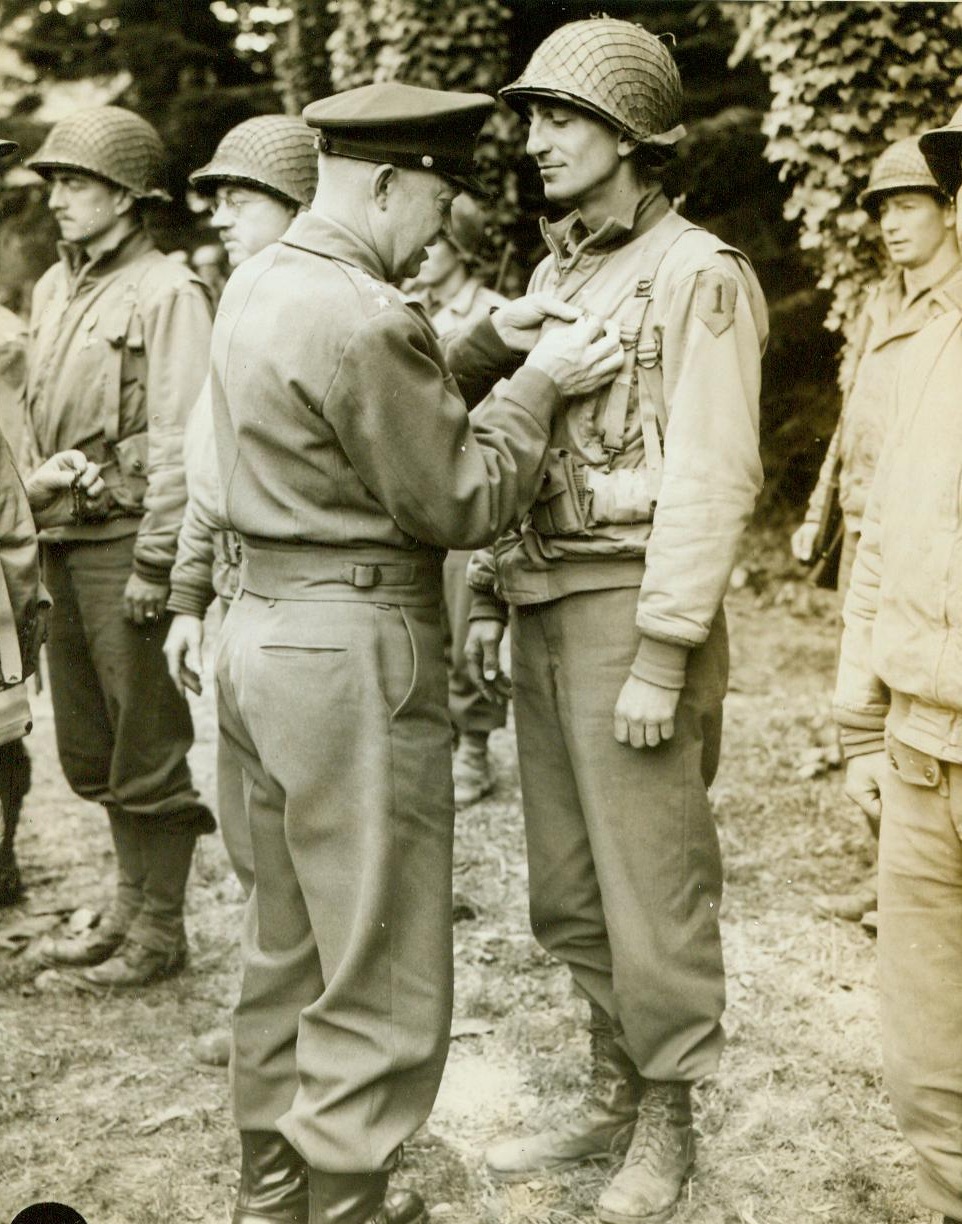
(846, 80)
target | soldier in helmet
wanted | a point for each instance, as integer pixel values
(263, 173)
(454, 294)
(349, 465)
(898, 703)
(118, 351)
(615, 584)
(916, 220)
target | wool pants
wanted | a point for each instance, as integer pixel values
(624, 866)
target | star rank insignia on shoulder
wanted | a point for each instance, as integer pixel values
(382, 294)
(715, 294)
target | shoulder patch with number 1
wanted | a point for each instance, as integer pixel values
(715, 295)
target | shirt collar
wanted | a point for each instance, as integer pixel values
(570, 238)
(309, 231)
(123, 251)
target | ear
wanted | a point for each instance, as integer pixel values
(123, 202)
(627, 145)
(382, 182)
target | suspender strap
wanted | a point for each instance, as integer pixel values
(615, 418)
(113, 365)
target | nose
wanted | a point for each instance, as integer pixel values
(537, 142)
(222, 216)
(57, 197)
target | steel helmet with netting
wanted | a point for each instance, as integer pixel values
(942, 150)
(272, 153)
(107, 142)
(900, 167)
(615, 69)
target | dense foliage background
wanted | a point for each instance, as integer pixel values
(786, 105)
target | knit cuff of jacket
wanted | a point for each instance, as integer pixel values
(661, 663)
(159, 574)
(859, 741)
(485, 605)
(190, 600)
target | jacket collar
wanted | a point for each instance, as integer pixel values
(569, 239)
(309, 231)
(79, 267)
(894, 317)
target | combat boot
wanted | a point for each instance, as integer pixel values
(658, 1161)
(597, 1130)
(103, 938)
(273, 1183)
(155, 945)
(361, 1198)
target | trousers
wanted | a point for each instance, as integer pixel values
(231, 807)
(123, 730)
(920, 964)
(470, 710)
(625, 870)
(336, 712)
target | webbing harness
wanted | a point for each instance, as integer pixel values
(640, 356)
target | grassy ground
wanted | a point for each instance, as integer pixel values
(101, 1105)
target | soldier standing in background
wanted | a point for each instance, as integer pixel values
(349, 464)
(917, 224)
(118, 350)
(898, 703)
(262, 174)
(616, 580)
(455, 296)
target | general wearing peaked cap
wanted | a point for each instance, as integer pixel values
(403, 125)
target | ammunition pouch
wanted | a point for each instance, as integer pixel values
(561, 507)
(622, 495)
(123, 467)
(126, 478)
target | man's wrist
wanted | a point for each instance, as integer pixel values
(661, 663)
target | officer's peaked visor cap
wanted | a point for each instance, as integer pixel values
(405, 126)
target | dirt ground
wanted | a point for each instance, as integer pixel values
(103, 1107)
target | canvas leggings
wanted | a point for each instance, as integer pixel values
(624, 865)
(337, 714)
(470, 710)
(920, 964)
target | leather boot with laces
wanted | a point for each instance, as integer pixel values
(597, 1130)
(273, 1184)
(134, 964)
(361, 1198)
(658, 1160)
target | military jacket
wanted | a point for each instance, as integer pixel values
(208, 555)
(13, 355)
(885, 324)
(338, 420)
(118, 350)
(699, 351)
(901, 651)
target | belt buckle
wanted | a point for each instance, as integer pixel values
(365, 576)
